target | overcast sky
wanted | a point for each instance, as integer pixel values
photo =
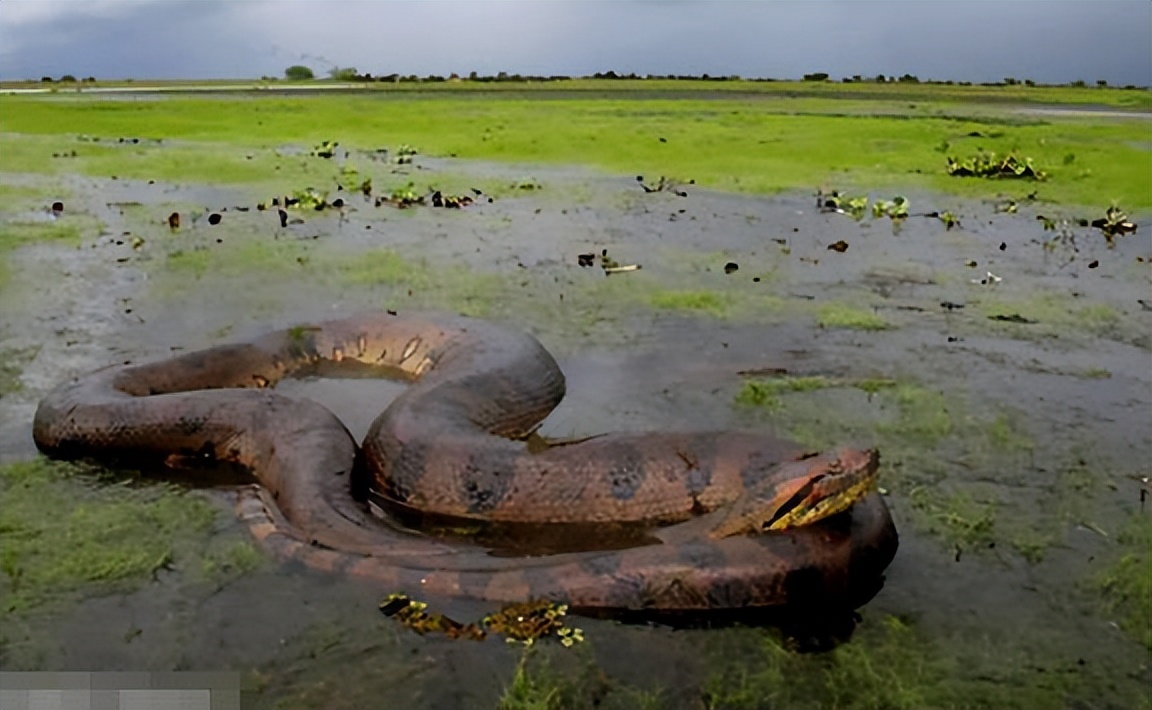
(976, 40)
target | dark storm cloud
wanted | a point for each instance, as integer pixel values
(978, 41)
(112, 40)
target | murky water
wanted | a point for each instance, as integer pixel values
(1074, 385)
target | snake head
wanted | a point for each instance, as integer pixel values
(803, 492)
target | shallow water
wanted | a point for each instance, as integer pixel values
(1073, 389)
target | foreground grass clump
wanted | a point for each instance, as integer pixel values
(766, 393)
(892, 664)
(1127, 584)
(13, 235)
(693, 301)
(1051, 313)
(839, 315)
(64, 532)
(12, 361)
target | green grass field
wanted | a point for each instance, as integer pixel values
(757, 138)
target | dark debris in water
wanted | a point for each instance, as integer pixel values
(1012, 318)
(666, 184)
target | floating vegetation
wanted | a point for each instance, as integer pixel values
(326, 149)
(896, 209)
(855, 207)
(528, 621)
(307, 199)
(406, 196)
(950, 220)
(990, 165)
(523, 622)
(414, 615)
(404, 154)
(350, 177)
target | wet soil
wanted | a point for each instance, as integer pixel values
(1065, 380)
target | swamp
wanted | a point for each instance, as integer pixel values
(957, 276)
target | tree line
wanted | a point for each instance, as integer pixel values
(300, 72)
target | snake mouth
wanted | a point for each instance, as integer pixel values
(792, 506)
(846, 480)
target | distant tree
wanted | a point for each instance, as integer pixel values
(1078, 82)
(47, 79)
(1010, 81)
(908, 79)
(68, 79)
(298, 72)
(816, 76)
(1029, 82)
(473, 76)
(880, 79)
(90, 80)
(343, 73)
(1101, 83)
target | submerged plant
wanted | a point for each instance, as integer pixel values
(897, 208)
(854, 207)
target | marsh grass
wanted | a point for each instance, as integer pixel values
(728, 142)
(553, 678)
(67, 230)
(66, 532)
(891, 663)
(1055, 314)
(766, 393)
(840, 315)
(697, 301)
(1127, 583)
(12, 362)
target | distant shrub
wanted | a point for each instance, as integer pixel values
(299, 72)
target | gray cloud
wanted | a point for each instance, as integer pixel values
(977, 41)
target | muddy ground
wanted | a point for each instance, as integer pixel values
(1003, 370)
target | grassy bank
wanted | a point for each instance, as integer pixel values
(732, 140)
